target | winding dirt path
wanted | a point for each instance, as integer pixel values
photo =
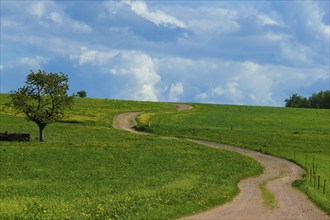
(126, 122)
(278, 176)
(249, 204)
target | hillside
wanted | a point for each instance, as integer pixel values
(86, 169)
(299, 135)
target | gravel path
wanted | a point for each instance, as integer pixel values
(249, 204)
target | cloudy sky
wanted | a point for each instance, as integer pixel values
(232, 52)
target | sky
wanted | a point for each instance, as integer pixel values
(226, 52)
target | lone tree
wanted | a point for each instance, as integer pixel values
(43, 99)
(82, 94)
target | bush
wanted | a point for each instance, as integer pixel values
(82, 94)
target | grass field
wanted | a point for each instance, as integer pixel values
(88, 170)
(300, 135)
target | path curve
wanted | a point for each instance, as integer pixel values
(127, 121)
(278, 173)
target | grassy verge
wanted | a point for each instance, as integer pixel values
(268, 197)
(300, 135)
(88, 170)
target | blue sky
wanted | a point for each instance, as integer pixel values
(232, 52)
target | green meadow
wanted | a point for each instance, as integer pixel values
(88, 170)
(299, 135)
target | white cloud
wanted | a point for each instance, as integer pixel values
(296, 52)
(268, 20)
(314, 19)
(9, 23)
(87, 55)
(140, 75)
(210, 22)
(289, 48)
(95, 57)
(56, 17)
(251, 67)
(79, 26)
(218, 91)
(157, 17)
(37, 9)
(233, 89)
(48, 11)
(33, 62)
(277, 36)
(135, 72)
(202, 96)
(176, 90)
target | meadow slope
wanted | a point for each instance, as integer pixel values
(268, 196)
(88, 170)
(299, 135)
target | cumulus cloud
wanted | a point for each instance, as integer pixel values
(251, 82)
(176, 90)
(233, 82)
(242, 53)
(157, 17)
(134, 74)
(140, 75)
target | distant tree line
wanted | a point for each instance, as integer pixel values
(317, 100)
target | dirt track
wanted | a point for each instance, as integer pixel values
(183, 107)
(126, 121)
(278, 173)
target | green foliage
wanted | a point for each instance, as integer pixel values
(88, 170)
(296, 101)
(317, 100)
(300, 135)
(43, 99)
(82, 94)
(320, 100)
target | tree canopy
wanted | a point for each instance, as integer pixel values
(316, 100)
(43, 99)
(82, 94)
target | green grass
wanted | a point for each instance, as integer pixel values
(88, 170)
(300, 135)
(270, 201)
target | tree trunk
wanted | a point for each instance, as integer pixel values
(41, 132)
